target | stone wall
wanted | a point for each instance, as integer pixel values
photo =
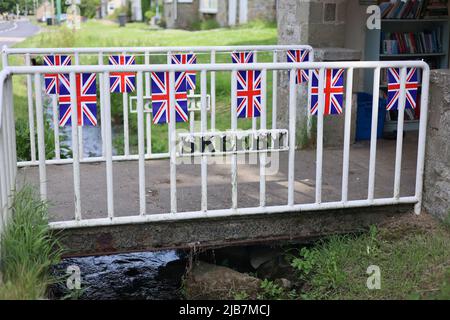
(436, 197)
(262, 10)
(187, 14)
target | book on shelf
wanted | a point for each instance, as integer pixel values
(414, 9)
(412, 42)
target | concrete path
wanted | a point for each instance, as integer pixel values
(12, 32)
(126, 196)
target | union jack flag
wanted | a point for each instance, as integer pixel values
(333, 91)
(161, 98)
(299, 56)
(122, 82)
(242, 56)
(86, 91)
(411, 86)
(52, 80)
(248, 94)
(186, 58)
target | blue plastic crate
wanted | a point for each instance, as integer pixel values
(364, 116)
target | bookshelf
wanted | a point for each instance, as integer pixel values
(411, 30)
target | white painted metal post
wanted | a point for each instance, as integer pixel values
(102, 105)
(126, 131)
(30, 110)
(274, 92)
(141, 144)
(75, 147)
(148, 117)
(204, 161)
(263, 155)
(108, 143)
(373, 134)
(40, 136)
(80, 128)
(422, 138)
(254, 124)
(169, 55)
(292, 121)
(213, 92)
(400, 122)
(347, 132)
(319, 151)
(172, 143)
(234, 198)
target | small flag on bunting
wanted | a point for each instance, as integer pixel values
(186, 58)
(248, 94)
(161, 97)
(86, 93)
(299, 56)
(52, 80)
(122, 82)
(333, 91)
(412, 85)
(242, 57)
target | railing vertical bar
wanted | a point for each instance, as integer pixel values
(56, 126)
(141, 144)
(40, 136)
(31, 111)
(213, 92)
(148, 119)
(169, 61)
(75, 147)
(292, 120)
(204, 128)
(9, 115)
(234, 198)
(172, 144)
(373, 134)
(102, 106)
(422, 138)
(309, 85)
(400, 122)
(319, 151)
(263, 155)
(80, 128)
(191, 121)
(254, 119)
(108, 149)
(126, 131)
(274, 92)
(347, 132)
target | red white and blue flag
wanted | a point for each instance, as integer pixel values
(411, 86)
(122, 82)
(161, 98)
(186, 58)
(333, 91)
(52, 80)
(242, 56)
(248, 94)
(86, 93)
(299, 56)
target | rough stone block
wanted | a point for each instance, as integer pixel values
(436, 197)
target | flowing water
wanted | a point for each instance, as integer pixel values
(145, 275)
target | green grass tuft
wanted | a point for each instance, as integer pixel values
(27, 249)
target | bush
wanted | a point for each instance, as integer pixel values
(206, 24)
(149, 14)
(27, 249)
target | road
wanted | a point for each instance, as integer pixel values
(12, 32)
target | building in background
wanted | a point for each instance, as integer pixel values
(45, 11)
(184, 13)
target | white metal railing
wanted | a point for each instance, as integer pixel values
(211, 53)
(7, 126)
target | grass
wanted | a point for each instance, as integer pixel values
(413, 257)
(101, 34)
(27, 249)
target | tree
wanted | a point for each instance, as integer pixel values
(88, 8)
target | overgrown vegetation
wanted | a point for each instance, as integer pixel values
(27, 249)
(414, 262)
